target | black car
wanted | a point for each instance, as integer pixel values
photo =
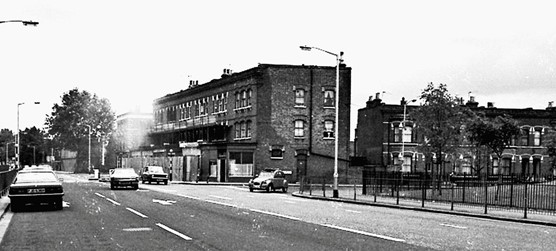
(124, 177)
(36, 187)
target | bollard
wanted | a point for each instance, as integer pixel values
(354, 192)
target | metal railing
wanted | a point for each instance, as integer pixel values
(516, 193)
(6, 179)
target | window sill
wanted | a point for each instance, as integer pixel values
(277, 158)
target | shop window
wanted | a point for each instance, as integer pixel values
(241, 164)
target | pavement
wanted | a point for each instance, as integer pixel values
(546, 219)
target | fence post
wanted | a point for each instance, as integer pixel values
(354, 192)
(526, 201)
(323, 187)
(485, 182)
(398, 188)
(511, 190)
(463, 188)
(301, 186)
(452, 190)
(310, 187)
(423, 191)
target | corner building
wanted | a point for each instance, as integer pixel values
(269, 116)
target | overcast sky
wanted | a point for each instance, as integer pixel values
(132, 52)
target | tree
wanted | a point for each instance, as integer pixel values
(7, 140)
(439, 120)
(32, 146)
(70, 121)
(494, 133)
(549, 141)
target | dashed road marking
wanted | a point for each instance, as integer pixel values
(454, 226)
(353, 211)
(137, 213)
(275, 214)
(183, 236)
(113, 201)
(137, 229)
(100, 195)
(364, 233)
(220, 197)
(221, 203)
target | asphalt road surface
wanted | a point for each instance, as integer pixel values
(164, 218)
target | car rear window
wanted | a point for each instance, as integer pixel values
(36, 177)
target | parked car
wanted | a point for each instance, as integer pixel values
(154, 174)
(124, 177)
(269, 180)
(36, 186)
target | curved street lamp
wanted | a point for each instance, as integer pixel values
(336, 136)
(402, 125)
(33, 23)
(19, 134)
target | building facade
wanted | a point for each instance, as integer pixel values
(385, 145)
(269, 116)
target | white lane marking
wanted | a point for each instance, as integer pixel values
(238, 188)
(353, 211)
(65, 204)
(183, 236)
(164, 202)
(454, 226)
(221, 203)
(137, 229)
(290, 202)
(275, 214)
(100, 195)
(364, 233)
(220, 197)
(137, 213)
(113, 201)
(189, 197)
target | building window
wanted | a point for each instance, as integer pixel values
(537, 138)
(241, 164)
(249, 95)
(329, 96)
(237, 127)
(300, 97)
(407, 133)
(466, 165)
(397, 133)
(243, 130)
(248, 129)
(299, 130)
(238, 100)
(524, 137)
(277, 152)
(328, 129)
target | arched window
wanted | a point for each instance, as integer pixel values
(248, 128)
(537, 137)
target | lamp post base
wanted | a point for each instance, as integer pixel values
(335, 193)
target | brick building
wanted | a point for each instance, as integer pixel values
(269, 116)
(380, 140)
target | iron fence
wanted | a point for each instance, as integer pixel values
(517, 193)
(6, 179)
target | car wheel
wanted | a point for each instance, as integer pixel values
(136, 187)
(269, 188)
(250, 189)
(143, 181)
(165, 182)
(15, 207)
(112, 186)
(284, 189)
(58, 204)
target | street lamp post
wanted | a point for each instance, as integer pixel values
(89, 161)
(337, 98)
(402, 125)
(19, 134)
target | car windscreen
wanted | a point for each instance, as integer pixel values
(35, 177)
(156, 169)
(266, 174)
(124, 171)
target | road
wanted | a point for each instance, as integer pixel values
(97, 218)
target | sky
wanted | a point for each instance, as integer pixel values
(132, 52)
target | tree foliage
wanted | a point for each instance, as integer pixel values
(70, 122)
(549, 141)
(33, 149)
(6, 140)
(495, 133)
(439, 120)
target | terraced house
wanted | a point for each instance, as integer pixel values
(383, 143)
(269, 116)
